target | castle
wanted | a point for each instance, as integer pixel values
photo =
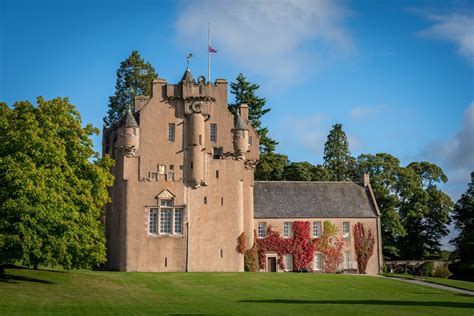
(184, 187)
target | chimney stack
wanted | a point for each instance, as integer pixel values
(244, 111)
(365, 179)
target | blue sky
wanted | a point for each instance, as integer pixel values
(399, 75)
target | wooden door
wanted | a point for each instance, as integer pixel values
(271, 264)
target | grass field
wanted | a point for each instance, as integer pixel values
(465, 285)
(85, 292)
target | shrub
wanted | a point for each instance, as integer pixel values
(441, 272)
(364, 242)
(427, 268)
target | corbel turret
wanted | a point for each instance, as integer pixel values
(241, 136)
(129, 136)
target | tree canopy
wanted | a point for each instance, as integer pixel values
(245, 92)
(134, 77)
(463, 216)
(337, 157)
(54, 187)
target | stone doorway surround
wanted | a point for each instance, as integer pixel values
(271, 257)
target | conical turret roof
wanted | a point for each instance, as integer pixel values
(130, 120)
(239, 122)
(188, 76)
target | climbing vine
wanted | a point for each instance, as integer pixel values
(364, 246)
(301, 246)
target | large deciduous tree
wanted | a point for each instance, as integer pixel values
(134, 77)
(463, 216)
(54, 187)
(337, 157)
(384, 170)
(424, 210)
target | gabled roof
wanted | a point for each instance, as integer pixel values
(292, 199)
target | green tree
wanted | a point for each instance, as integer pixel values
(299, 171)
(337, 157)
(463, 215)
(54, 187)
(134, 77)
(271, 167)
(384, 170)
(319, 173)
(245, 92)
(424, 210)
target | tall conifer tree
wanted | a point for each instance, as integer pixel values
(337, 157)
(134, 78)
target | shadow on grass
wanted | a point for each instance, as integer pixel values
(10, 278)
(367, 302)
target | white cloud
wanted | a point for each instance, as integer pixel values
(456, 155)
(362, 112)
(456, 28)
(268, 37)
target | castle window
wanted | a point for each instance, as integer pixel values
(205, 200)
(288, 262)
(166, 203)
(346, 233)
(153, 221)
(318, 261)
(217, 174)
(213, 133)
(165, 220)
(178, 221)
(316, 229)
(222, 201)
(262, 229)
(171, 132)
(250, 140)
(217, 152)
(222, 253)
(200, 139)
(287, 233)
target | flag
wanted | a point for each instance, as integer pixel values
(212, 50)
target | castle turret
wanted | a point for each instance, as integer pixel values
(240, 140)
(130, 135)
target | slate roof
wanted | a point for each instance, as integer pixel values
(187, 77)
(292, 199)
(239, 122)
(130, 120)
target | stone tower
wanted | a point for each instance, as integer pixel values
(183, 190)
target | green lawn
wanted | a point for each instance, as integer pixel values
(465, 285)
(86, 292)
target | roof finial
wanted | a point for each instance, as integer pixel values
(188, 59)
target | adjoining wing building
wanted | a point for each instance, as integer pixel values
(184, 187)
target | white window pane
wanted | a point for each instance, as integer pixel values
(213, 133)
(165, 221)
(345, 229)
(287, 229)
(318, 261)
(153, 221)
(178, 221)
(262, 227)
(316, 229)
(289, 262)
(166, 203)
(171, 132)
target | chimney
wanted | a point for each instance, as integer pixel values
(365, 179)
(244, 111)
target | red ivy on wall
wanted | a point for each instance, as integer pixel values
(302, 247)
(364, 246)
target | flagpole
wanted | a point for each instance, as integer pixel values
(209, 52)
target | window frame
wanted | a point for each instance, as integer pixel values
(153, 210)
(169, 221)
(176, 211)
(346, 260)
(259, 235)
(213, 133)
(287, 231)
(346, 235)
(320, 229)
(171, 132)
(288, 268)
(320, 255)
